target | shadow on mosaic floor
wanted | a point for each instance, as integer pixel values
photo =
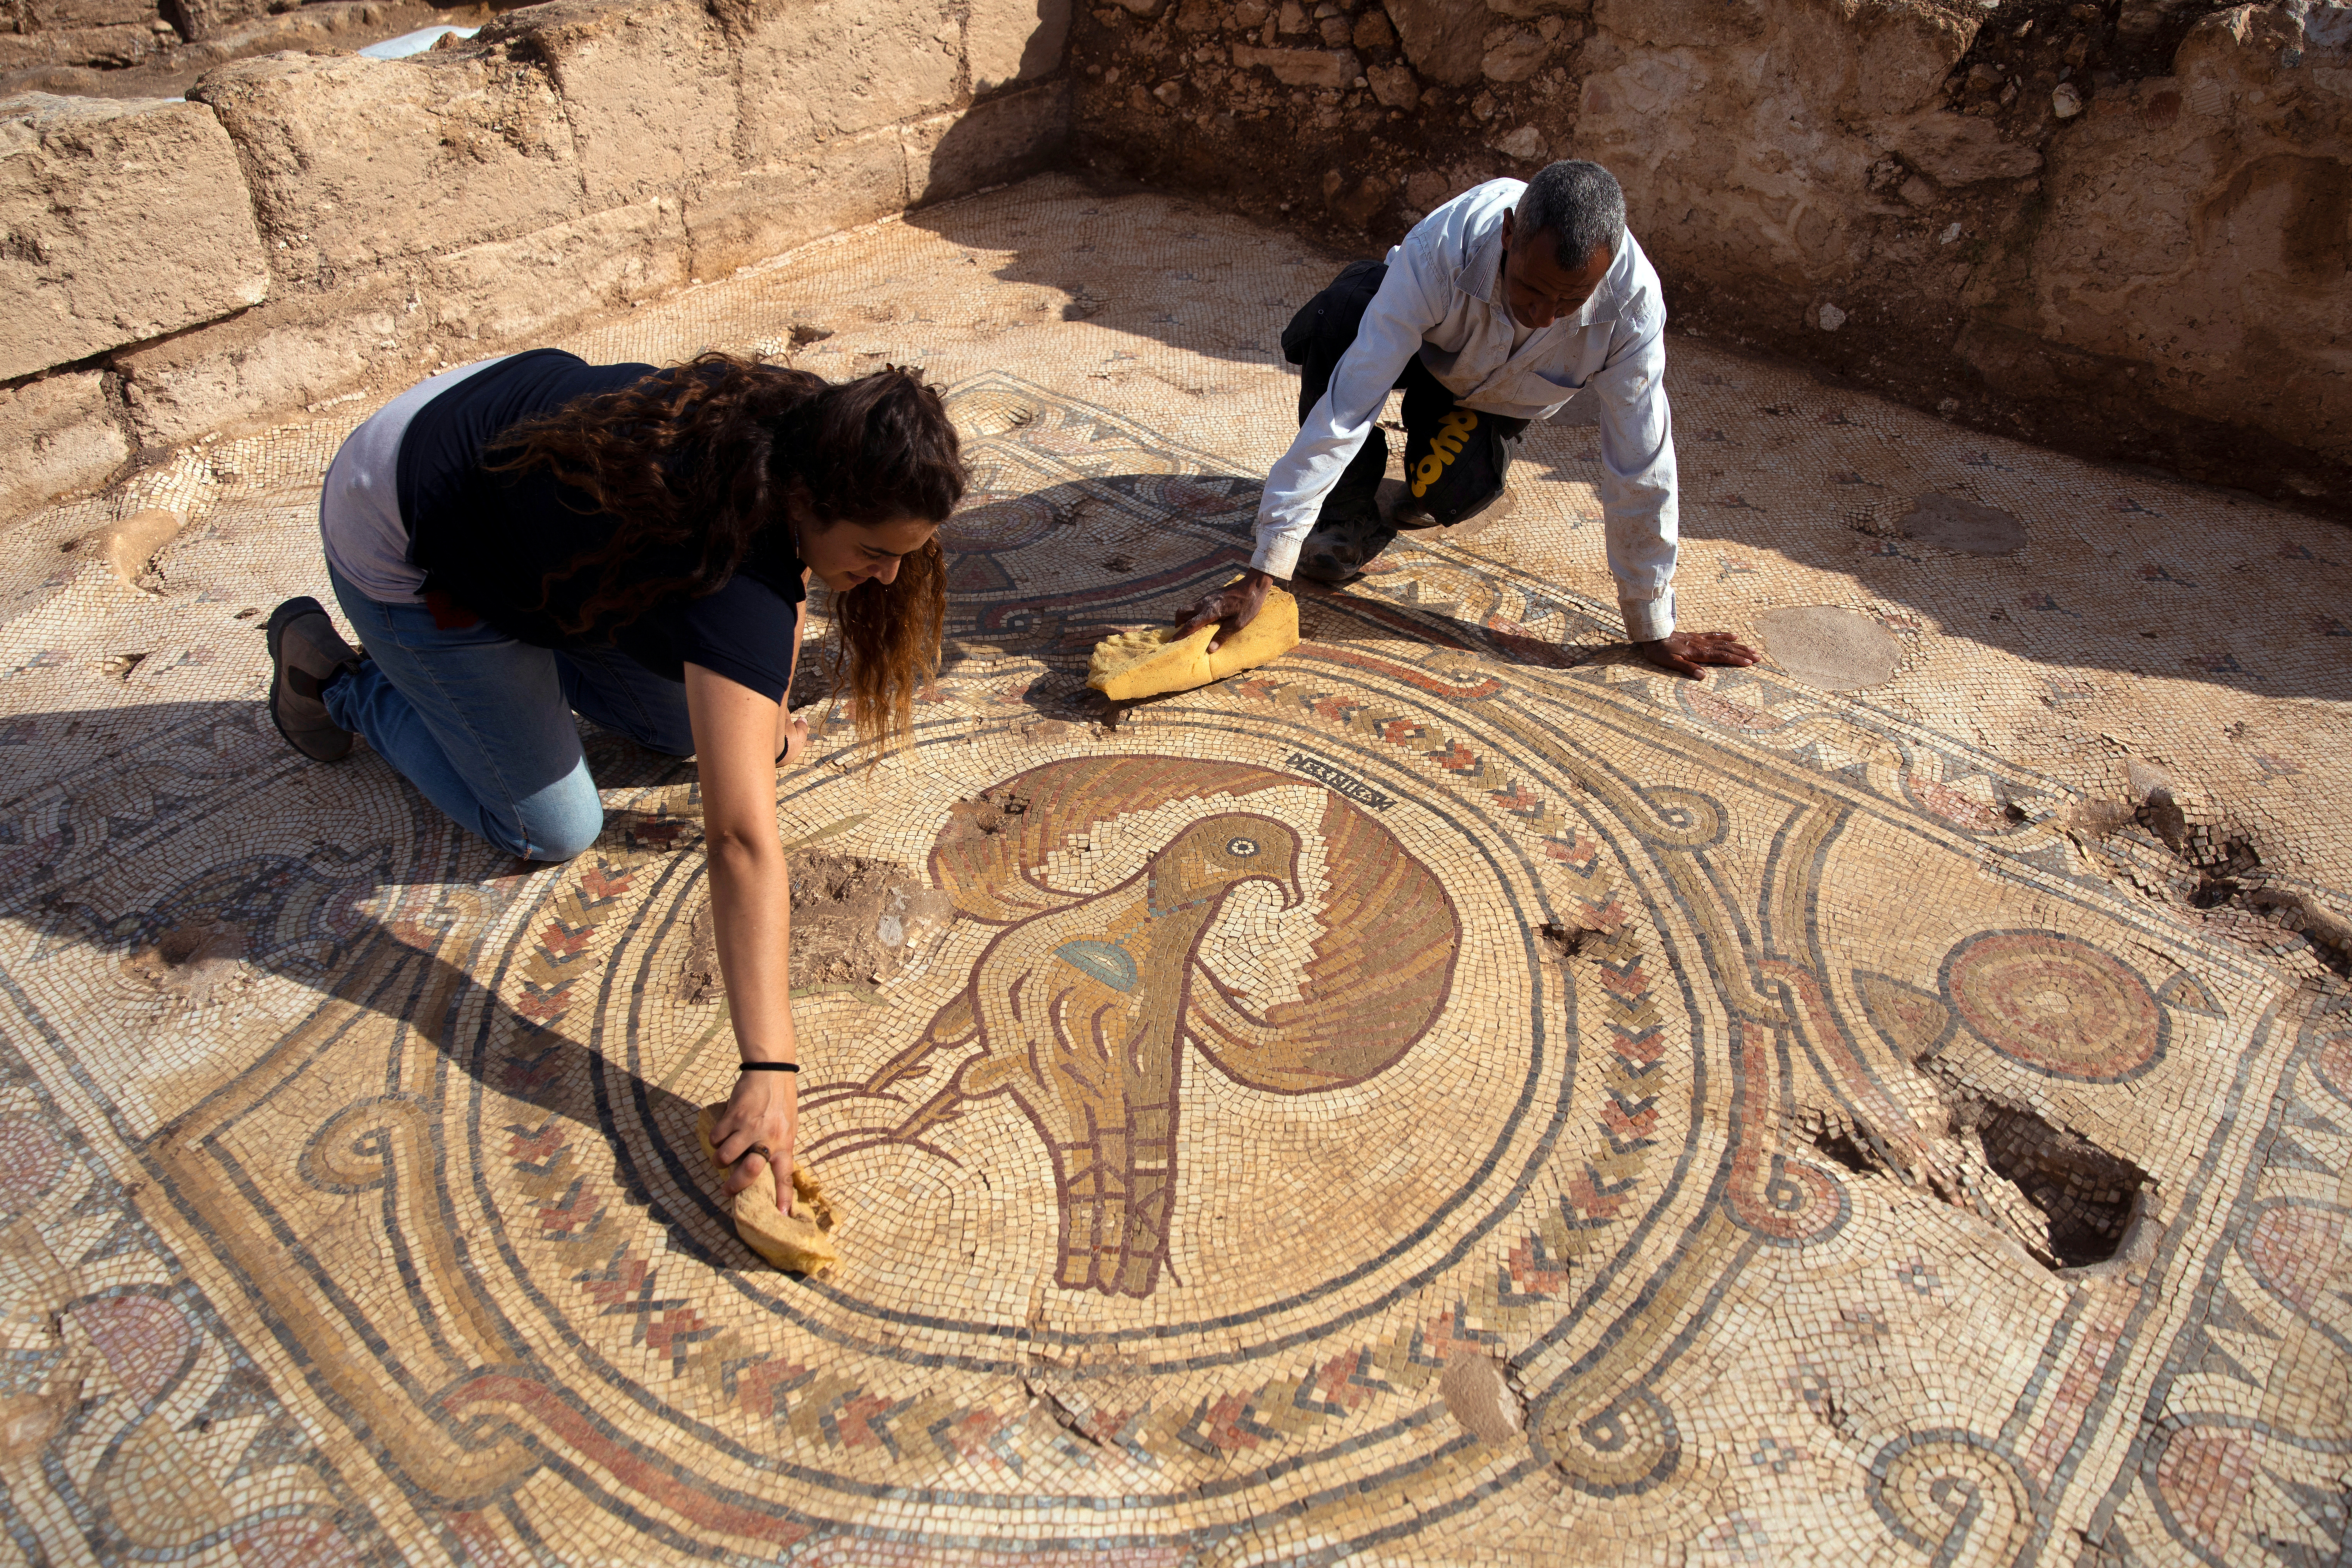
(108, 778)
(1146, 575)
(339, 880)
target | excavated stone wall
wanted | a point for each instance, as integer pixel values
(143, 49)
(311, 225)
(2119, 227)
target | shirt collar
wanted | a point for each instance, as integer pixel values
(1482, 276)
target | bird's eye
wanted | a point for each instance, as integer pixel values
(1241, 848)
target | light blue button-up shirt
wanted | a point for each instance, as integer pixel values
(1442, 299)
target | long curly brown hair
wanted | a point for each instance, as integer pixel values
(709, 455)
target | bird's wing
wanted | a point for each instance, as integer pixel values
(1380, 975)
(987, 858)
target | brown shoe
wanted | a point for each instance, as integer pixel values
(305, 653)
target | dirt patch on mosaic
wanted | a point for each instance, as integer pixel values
(1832, 649)
(856, 920)
(1479, 1396)
(1963, 526)
(984, 815)
(193, 963)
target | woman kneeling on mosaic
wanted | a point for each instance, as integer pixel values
(529, 538)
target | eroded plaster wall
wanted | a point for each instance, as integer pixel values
(310, 224)
(2119, 227)
(2114, 225)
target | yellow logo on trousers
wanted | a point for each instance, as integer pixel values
(1452, 434)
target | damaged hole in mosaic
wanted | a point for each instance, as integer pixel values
(2069, 1201)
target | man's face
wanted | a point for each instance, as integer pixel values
(1536, 288)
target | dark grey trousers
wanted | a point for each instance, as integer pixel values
(1456, 460)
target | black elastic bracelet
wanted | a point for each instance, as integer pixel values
(769, 1067)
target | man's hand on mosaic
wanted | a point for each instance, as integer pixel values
(762, 1114)
(1689, 653)
(1235, 605)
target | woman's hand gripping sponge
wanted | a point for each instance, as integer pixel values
(800, 1241)
(1149, 663)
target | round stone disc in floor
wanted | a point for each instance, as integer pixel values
(1822, 646)
(1948, 522)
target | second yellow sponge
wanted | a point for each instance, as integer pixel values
(1151, 663)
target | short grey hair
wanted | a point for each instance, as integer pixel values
(1580, 205)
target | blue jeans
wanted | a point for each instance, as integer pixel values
(482, 725)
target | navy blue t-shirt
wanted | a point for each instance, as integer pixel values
(487, 540)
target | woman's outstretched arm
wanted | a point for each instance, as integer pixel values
(736, 735)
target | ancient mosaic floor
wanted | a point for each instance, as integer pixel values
(1554, 1114)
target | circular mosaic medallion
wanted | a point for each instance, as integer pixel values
(2056, 1004)
(1171, 970)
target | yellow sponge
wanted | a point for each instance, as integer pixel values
(1149, 664)
(800, 1241)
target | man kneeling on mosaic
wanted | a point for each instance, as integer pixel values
(1496, 309)
(528, 538)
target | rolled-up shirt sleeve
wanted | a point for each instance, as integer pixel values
(1637, 483)
(1404, 307)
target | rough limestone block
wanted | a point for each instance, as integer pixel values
(94, 13)
(649, 88)
(269, 362)
(801, 1242)
(116, 45)
(124, 220)
(1881, 62)
(1151, 663)
(56, 435)
(1445, 39)
(329, 27)
(1007, 41)
(832, 185)
(1394, 86)
(202, 20)
(356, 161)
(1514, 54)
(513, 293)
(810, 72)
(989, 143)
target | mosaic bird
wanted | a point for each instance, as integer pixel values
(1083, 1008)
(1078, 1014)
